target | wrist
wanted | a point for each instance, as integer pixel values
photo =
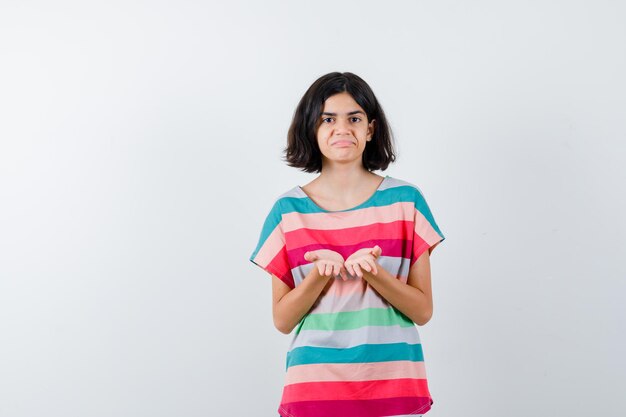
(315, 275)
(369, 275)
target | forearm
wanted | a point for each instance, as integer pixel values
(290, 309)
(411, 301)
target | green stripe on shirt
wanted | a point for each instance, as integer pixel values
(347, 320)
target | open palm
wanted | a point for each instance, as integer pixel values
(363, 259)
(328, 262)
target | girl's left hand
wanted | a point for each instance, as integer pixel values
(363, 258)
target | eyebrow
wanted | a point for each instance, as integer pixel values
(348, 114)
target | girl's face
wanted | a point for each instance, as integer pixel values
(343, 131)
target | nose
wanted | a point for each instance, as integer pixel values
(342, 126)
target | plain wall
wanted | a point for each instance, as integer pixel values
(140, 150)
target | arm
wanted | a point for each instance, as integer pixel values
(290, 305)
(414, 299)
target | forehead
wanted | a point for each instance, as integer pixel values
(341, 103)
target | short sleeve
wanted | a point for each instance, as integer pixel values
(427, 234)
(271, 251)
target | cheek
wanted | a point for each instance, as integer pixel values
(322, 135)
(321, 143)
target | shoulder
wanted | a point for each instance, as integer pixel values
(286, 201)
(404, 188)
(293, 192)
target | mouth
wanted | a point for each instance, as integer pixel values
(343, 143)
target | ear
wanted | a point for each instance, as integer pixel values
(370, 129)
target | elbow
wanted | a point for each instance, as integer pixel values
(283, 330)
(422, 322)
(282, 327)
(424, 318)
(281, 320)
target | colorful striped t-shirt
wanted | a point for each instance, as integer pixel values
(353, 354)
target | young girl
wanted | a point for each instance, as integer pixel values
(349, 258)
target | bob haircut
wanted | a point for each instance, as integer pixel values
(302, 150)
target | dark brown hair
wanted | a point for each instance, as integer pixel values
(302, 150)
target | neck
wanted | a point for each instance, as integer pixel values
(342, 178)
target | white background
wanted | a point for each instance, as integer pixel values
(140, 147)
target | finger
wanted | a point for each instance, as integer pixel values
(343, 273)
(349, 268)
(336, 270)
(365, 264)
(342, 270)
(375, 266)
(372, 265)
(320, 268)
(329, 270)
(310, 256)
(357, 270)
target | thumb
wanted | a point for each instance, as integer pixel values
(376, 251)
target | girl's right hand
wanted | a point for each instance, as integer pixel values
(328, 262)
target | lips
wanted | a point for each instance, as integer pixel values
(343, 143)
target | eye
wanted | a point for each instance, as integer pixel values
(325, 119)
(356, 119)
